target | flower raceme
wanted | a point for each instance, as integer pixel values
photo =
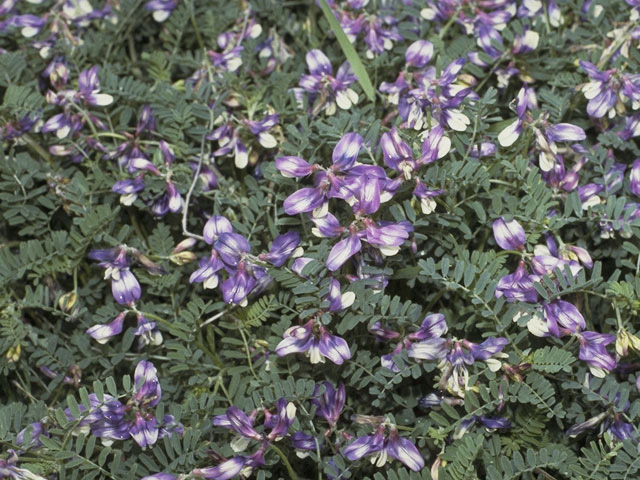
(231, 253)
(547, 135)
(454, 355)
(111, 420)
(363, 187)
(555, 318)
(277, 424)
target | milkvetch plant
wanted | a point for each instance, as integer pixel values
(305, 240)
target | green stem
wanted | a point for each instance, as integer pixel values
(292, 474)
(246, 349)
(447, 25)
(195, 27)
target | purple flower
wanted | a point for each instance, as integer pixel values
(230, 468)
(125, 287)
(491, 423)
(518, 286)
(382, 447)
(260, 129)
(314, 340)
(324, 89)
(144, 430)
(146, 391)
(35, 430)
(294, 167)
(161, 9)
(238, 421)
(387, 236)
(509, 235)
(231, 247)
(238, 286)
(599, 91)
(563, 318)
(330, 403)
(102, 333)
(565, 132)
(303, 442)
(343, 251)
(207, 273)
(147, 331)
(30, 24)
(419, 53)
(282, 248)
(397, 154)
(216, 226)
(593, 351)
(159, 476)
(337, 300)
(455, 355)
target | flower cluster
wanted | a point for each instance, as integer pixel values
(109, 419)
(231, 252)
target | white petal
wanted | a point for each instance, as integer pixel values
(444, 146)
(242, 159)
(347, 299)
(458, 121)
(267, 140)
(343, 101)
(389, 251)
(531, 39)
(29, 32)
(160, 15)
(428, 205)
(63, 132)
(211, 282)
(103, 99)
(509, 135)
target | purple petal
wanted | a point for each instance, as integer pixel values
(103, 332)
(419, 53)
(363, 446)
(216, 226)
(125, 288)
(405, 451)
(224, 471)
(343, 251)
(318, 63)
(509, 235)
(334, 348)
(346, 151)
(293, 167)
(565, 132)
(304, 200)
(231, 247)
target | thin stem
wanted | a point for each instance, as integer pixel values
(292, 474)
(196, 175)
(450, 22)
(195, 27)
(246, 348)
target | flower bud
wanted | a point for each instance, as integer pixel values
(67, 301)
(182, 258)
(13, 354)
